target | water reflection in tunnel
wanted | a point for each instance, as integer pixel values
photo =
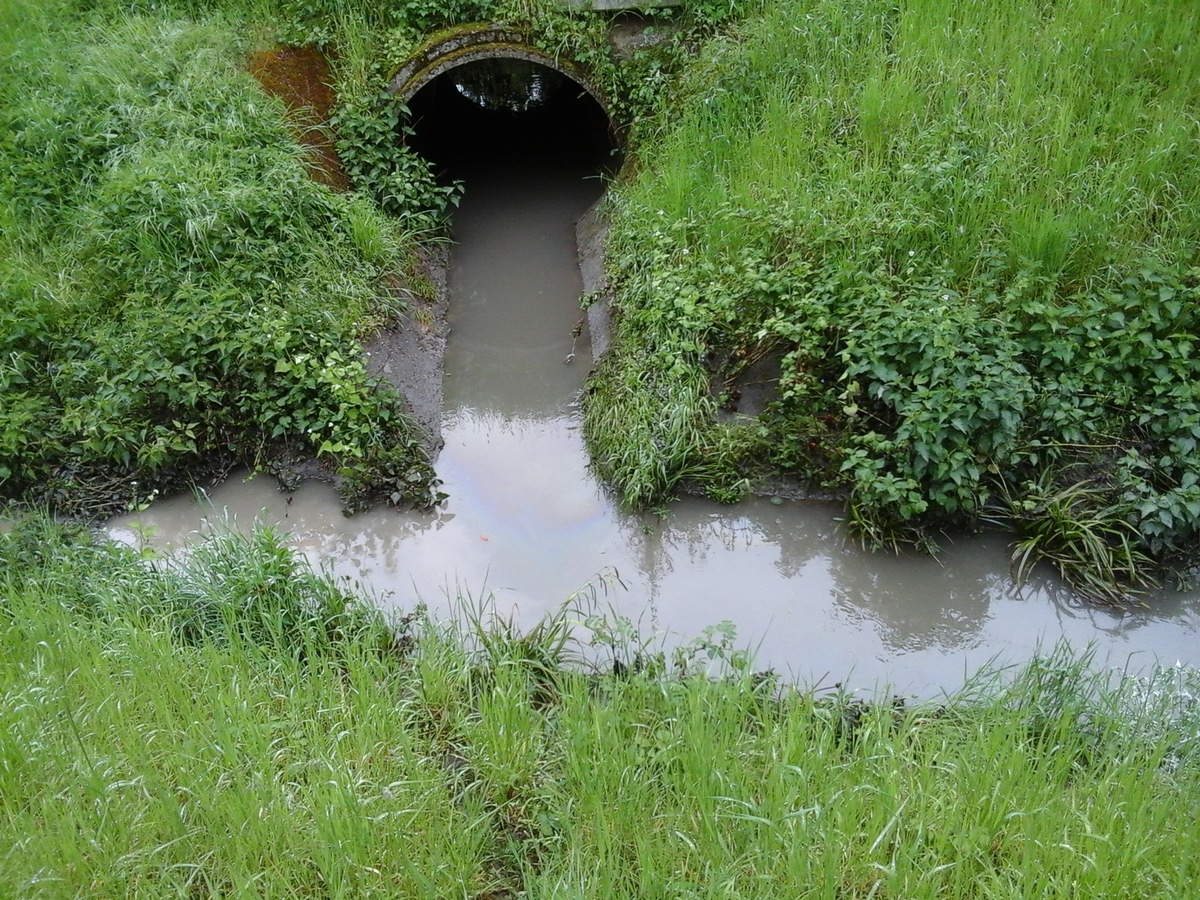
(509, 113)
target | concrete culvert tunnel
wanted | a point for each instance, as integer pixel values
(500, 113)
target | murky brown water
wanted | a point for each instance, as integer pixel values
(528, 524)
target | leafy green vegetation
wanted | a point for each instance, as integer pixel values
(175, 295)
(965, 235)
(174, 290)
(980, 307)
(232, 723)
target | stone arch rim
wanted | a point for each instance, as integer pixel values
(486, 42)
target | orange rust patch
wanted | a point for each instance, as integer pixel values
(300, 77)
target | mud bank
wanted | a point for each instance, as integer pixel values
(410, 353)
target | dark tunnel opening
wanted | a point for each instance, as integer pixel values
(490, 116)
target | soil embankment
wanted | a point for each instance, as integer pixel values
(301, 78)
(407, 352)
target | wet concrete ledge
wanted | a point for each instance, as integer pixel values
(590, 233)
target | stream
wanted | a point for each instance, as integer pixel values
(527, 526)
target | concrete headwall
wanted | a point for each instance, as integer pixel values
(473, 42)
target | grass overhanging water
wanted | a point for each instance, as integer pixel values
(235, 723)
(166, 274)
(958, 242)
(175, 295)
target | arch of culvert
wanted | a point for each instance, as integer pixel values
(470, 43)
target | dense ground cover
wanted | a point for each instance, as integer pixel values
(963, 238)
(960, 241)
(175, 291)
(233, 724)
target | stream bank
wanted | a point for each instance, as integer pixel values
(527, 525)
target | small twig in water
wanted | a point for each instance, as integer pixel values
(575, 332)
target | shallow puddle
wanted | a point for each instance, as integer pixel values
(527, 525)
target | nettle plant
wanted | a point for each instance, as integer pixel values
(982, 310)
(370, 133)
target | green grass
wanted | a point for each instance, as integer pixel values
(174, 289)
(966, 231)
(175, 295)
(165, 732)
(232, 724)
(1057, 135)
